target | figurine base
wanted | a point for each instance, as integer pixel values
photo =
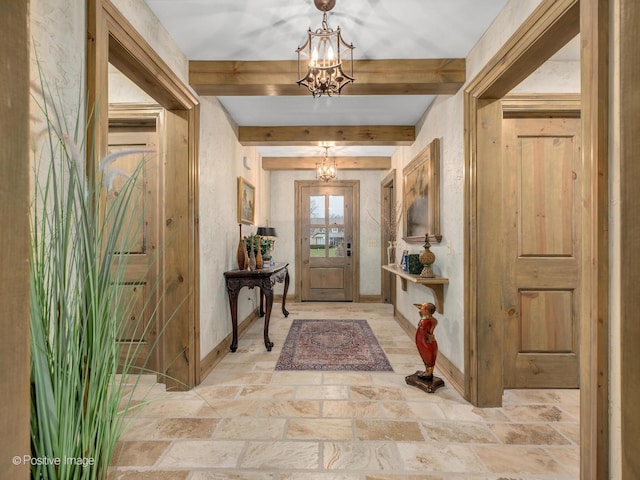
(423, 383)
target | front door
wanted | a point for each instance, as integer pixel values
(542, 231)
(328, 248)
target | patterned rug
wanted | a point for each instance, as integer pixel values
(332, 345)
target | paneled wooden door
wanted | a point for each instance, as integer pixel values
(142, 287)
(542, 230)
(328, 246)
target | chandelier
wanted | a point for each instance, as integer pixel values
(326, 170)
(324, 74)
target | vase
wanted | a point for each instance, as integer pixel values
(259, 260)
(427, 258)
(252, 257)
(241, 251)
(391, 253)
(245, 254)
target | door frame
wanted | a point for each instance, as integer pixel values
(387, 189)
(550, 26)
(299, 185)
(112, 39)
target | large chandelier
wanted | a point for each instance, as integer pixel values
(326, 170)
(322, 51)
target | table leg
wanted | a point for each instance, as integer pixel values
(267, 316)
(284, 295)
(261, 311)
(233, 304)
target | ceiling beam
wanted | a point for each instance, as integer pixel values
(309, 163)
(441, 76)
(376, 135)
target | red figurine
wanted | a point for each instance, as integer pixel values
(425, 340)
(428, 350)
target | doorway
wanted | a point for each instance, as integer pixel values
(327, 241)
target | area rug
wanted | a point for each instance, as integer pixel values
(332, 345)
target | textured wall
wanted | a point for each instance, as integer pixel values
(444, 120)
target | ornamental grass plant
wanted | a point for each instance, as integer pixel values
(80, 227)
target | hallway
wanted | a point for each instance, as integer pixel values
(247, 421)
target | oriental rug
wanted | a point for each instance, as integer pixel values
(332, 345)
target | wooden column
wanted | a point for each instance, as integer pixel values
(594, 329)
(629, 119)
(14, 237)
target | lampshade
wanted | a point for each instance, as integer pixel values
(323, 57)
(266, 232)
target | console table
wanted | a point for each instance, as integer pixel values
(265, 279)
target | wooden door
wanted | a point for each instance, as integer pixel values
(142, 287)
(328, 246)
(542, 231)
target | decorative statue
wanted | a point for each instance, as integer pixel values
(428, 350)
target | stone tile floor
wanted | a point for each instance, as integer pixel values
(248, 421)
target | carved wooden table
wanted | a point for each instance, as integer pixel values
(265, 279)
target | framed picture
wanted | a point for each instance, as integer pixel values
(421, 197)
(246, 202)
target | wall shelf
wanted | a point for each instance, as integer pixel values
(436, 284)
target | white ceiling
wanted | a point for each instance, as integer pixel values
(273, 29)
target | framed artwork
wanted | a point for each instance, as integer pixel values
(246, 202)
(421, 195)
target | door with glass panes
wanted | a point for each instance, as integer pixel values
(328, 248)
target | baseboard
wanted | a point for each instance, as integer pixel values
(443, 364)
(371, 299)
(211, 359)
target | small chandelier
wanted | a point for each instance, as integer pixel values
(324, 74)
(326, 170)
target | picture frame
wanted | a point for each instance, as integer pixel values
(246, 202)
(421, 196)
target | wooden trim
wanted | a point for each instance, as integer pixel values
(319, 135)
(15, 168)
(629, 36)
(309, 163)
(208, 363)
(387, 198)
(594, 326)
(448, 370)
(370, 299)
(443, 76)
(111, 38)
(544, 105)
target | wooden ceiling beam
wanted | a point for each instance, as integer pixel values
(376, 135)
(309, 163)
(441, 76)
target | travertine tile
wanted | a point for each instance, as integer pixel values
(139, 453)
(388, 430)
(437, 457)
(148, 475)
(320, 429)
(458, 432)
(361, 456)
(290, 408)
(202, 454)
(510, 459)
(251, 428)
(350, 409)
(229, 408)
(282, 455)
(527, 434)
(183, 428)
